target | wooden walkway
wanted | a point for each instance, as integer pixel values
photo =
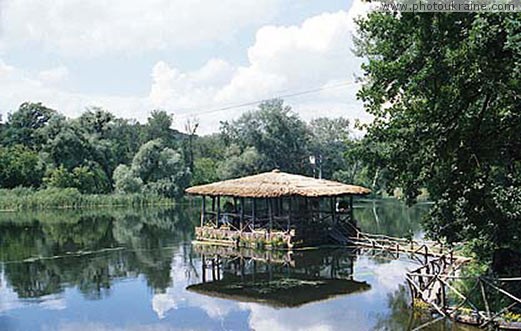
(433, 283)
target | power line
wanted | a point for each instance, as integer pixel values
(281, 96)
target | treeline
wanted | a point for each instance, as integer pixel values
(94, 153)
(98, 153)
(274, 137)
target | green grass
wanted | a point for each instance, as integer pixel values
(20, 199)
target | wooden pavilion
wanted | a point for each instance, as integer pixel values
(276, 210)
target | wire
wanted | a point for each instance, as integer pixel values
(281, 96)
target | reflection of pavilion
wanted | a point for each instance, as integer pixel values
(291, 280)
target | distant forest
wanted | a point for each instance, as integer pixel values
(100, 153)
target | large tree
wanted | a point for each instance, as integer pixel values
(445, 91)
(23, 125)
(275, 132)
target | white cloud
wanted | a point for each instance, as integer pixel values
(54, 76)
(282, 60)
(18, 86)
(95, 27)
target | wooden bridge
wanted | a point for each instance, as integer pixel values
(434, 283)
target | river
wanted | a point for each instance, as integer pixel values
(138, 270)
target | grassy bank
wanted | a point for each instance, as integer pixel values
(53, 198)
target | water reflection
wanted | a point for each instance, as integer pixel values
(137, 269)
(297, 279)
(88, 250)
(390, 217)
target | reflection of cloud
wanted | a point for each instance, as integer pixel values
(9, 299)
(385, 276)
(359, 311)
(105, 327)
(162, 303)
(334, 314)
(176, 296)
(53, 303)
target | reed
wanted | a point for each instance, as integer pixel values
(20, 199)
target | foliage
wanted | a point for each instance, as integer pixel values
(239, 164)
(276, 133)
(99, 153)
(87, 179)
(23, 125)
(125, 181)
(162, 170)
(83, 153)
(158, 125)
(444, 90)
(20, 166)
(330, 139)
(205, 171)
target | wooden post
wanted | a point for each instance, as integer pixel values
(351, 214)
(203, 263)
(443, 296)
(213, 204)
(484, 295)
(270, 212)
(289, 212)
(218, 210)
(333, 208)
(203, 210)
(213, 270)
(218, 269)
(242, 215)
(253, 212)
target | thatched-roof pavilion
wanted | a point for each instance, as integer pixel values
(276, 209)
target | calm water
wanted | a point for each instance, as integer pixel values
(137, 270)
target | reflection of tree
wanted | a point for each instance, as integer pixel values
(402, 317)
(72, 250)
(390, 217)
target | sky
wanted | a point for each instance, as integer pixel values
(195, 59)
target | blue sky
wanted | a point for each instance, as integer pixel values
(186, 57)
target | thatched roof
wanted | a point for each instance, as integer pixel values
(277, 184)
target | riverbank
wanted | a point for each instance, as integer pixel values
(21, 199)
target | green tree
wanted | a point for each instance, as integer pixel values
(146, 161)
(96, 121)
(238, 164)
(162, 169)
(125, 138)
(69, 148)
(87, 179)
(22, 125)
(126, 181)
(158, 125)
(330, 142)
(20, 166)
(277, 133)
(444, 90)
(205, 171)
